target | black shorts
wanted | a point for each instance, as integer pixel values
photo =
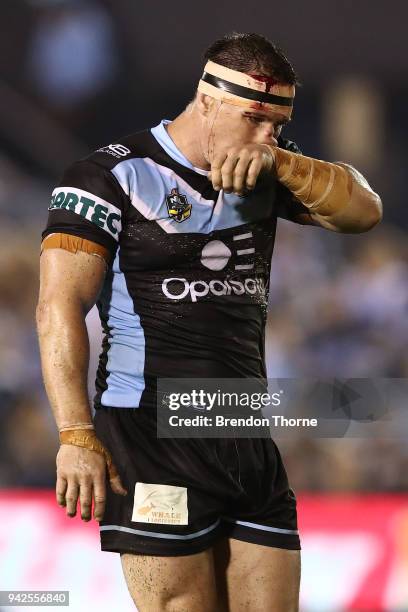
(184, 494)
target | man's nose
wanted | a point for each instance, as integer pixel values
(269, 137)
(270, 140)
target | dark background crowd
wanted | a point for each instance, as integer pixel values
(76, 75)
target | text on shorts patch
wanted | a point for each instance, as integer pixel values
(160, 504)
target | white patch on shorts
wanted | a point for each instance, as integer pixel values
(160, 504)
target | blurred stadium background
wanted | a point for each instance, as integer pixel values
(75, 75)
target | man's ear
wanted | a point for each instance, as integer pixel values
(204, 103)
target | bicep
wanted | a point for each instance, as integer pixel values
(71, 278)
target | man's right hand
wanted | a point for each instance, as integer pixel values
(237, 168)
(81, 474)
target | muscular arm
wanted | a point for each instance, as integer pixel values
(69, 286)
(363, 211)
(338, 196)
(335, 196)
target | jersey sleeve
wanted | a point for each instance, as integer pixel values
(288, 206)
(88, 203)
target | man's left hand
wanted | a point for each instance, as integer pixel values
(238, 168)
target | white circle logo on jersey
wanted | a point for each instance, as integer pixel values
(215, 255)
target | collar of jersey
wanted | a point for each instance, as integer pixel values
(161, 135)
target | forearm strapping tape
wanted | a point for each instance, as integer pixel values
(324, 187)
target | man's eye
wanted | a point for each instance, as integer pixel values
(256, 120)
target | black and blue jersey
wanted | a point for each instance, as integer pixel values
(186, 293)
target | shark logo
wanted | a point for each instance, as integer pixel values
(178, 206)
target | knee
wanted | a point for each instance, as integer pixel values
(188, 603)
(182, 602)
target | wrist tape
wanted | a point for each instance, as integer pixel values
(86, 438)
(323, 187)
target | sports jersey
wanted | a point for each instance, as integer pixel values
(187, 289)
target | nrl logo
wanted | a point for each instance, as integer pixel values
(178, 206)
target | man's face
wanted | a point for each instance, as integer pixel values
(232, 126)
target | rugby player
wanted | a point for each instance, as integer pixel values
(171, 231)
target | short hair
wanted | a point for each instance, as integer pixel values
(252, 53)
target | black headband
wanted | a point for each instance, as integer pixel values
(246, 92)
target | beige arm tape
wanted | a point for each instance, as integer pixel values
(77, 426)
(74, 244)
(86, 438)
(323, 187)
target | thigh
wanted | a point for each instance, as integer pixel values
(255, 578)
(175, 489)
(171, 584)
